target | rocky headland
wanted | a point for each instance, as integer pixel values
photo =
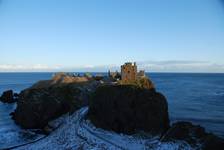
(129, 108)
(132, 107)
(122, 107)
(49, 99)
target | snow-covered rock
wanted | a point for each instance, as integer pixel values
(77, 133)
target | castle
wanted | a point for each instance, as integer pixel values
(129, 72)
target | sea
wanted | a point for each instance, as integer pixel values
(195, 97)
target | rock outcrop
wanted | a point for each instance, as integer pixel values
(61, 79)
(9, 97)
(142, 82)
(129, 108)
(194, 135)
(121, 107)
(43, 102)
(145, 82)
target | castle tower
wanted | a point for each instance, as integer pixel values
(129, 72)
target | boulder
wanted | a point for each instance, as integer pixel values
(7, 97)
(37, 106)
(128, 109)
(194, 135)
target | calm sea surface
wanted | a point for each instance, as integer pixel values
(198, 98)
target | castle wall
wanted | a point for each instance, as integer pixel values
(128, 72)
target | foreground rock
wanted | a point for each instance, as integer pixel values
(9, 97)
(129, 108)
(194, 135)
(49, 99)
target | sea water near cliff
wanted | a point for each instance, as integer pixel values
(195, 97)
(11, 134)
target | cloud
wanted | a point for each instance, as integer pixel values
(172, 62)
(181, 66)
(149, 66)
(47, 68)
(27, 68)
(92, 68)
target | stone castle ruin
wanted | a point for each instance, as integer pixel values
(130, 73)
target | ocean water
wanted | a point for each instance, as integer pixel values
(11, 134)
(198, 98)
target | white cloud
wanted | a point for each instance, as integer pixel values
(149, 66)
(21, 68)
(181, 66)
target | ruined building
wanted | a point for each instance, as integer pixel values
(129, 72)
(141, 73)
(114, 75)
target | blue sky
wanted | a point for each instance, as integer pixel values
(94, 35)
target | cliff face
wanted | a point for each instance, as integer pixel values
(37, 106)
(40, 104)
(129, 108)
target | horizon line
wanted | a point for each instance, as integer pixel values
(111, 71)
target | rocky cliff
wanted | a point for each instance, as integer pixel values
(129, 108)
(47, 100)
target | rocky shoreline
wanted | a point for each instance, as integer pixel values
(9, 97)
(123, 108)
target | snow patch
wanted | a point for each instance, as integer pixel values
(76, 133)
